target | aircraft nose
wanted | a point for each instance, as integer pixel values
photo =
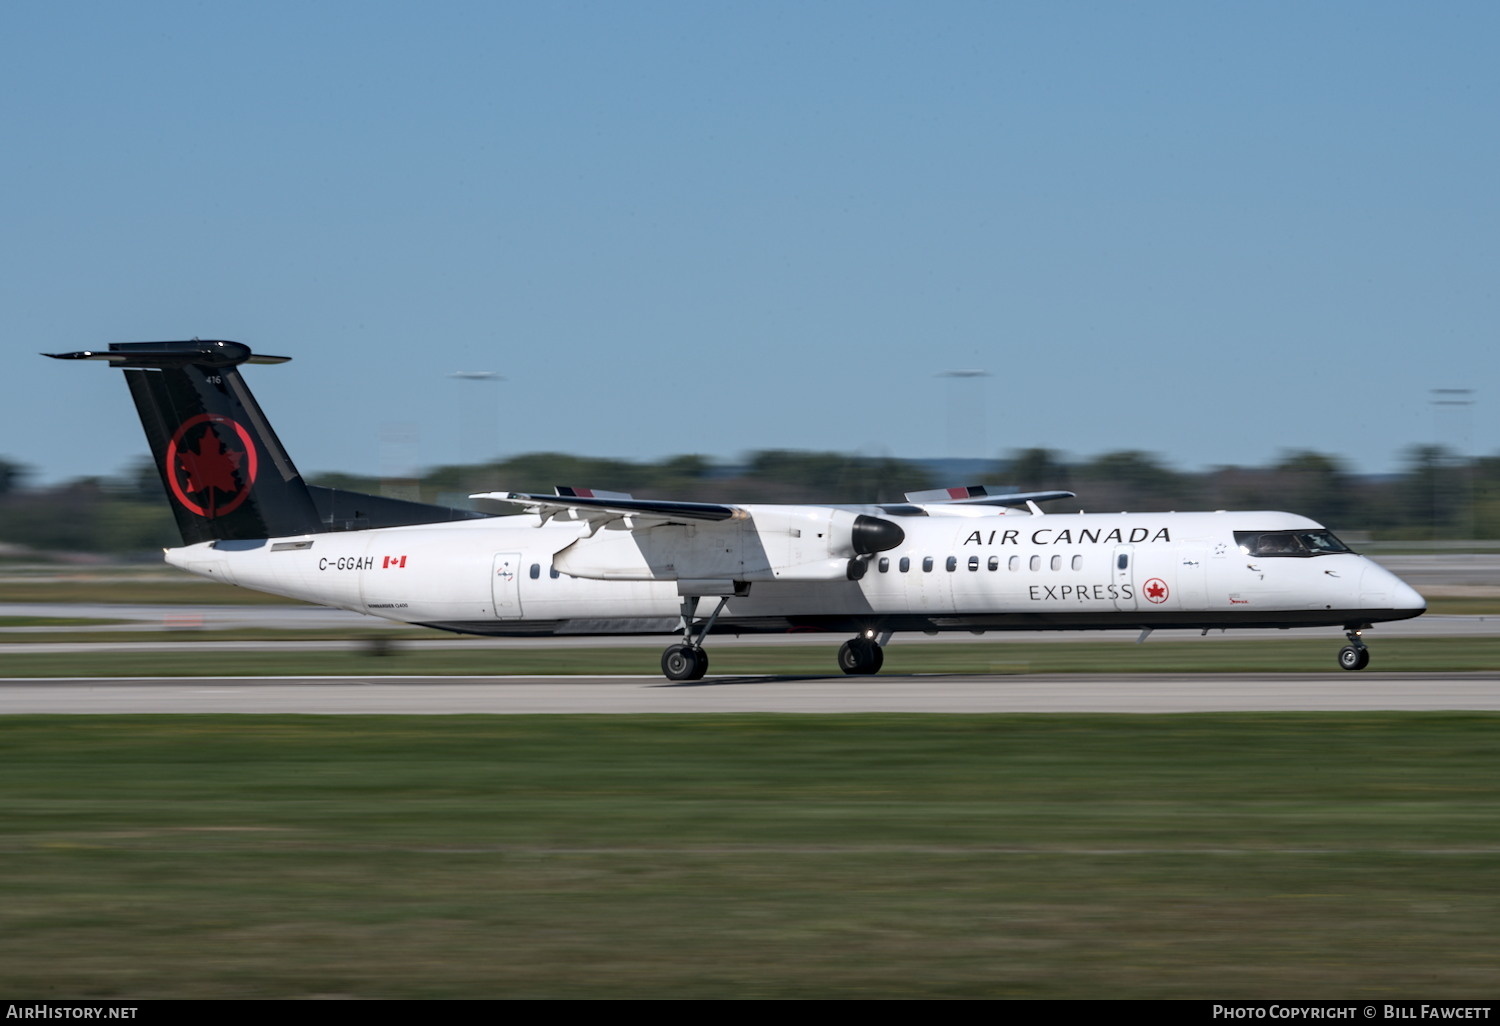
(1408, 597)
(1381, 589)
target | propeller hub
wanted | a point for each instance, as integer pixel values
(872, 534)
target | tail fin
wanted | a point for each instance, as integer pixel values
(225, 472)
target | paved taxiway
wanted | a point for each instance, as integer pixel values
(937, 693)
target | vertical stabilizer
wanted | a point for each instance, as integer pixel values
(224, 470)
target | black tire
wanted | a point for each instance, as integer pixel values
(683, 662)
(1352, 658)
(861, 656)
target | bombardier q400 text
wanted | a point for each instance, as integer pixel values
(589, 562)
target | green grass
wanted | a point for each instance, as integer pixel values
(184, 633)
(1198, 655)
(1463, 606)
(103, 586)
(1227, 856)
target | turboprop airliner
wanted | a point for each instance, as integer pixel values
(592, 562)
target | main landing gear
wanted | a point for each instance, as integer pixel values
(684, 662)
(688, 661)
(863, 655)
(1354, 656)
(859, 656)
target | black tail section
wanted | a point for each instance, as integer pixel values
(225, 471)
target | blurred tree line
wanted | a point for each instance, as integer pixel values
(1436, 495)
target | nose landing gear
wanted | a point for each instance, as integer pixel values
(863, 655)
(1354, 656)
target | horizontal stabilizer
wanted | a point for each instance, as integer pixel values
(194, 352)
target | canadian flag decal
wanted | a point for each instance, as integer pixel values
(390, 561)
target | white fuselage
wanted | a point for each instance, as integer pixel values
(965, 568)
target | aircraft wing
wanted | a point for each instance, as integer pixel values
(705, 545)
(981, 495)
(600, 508)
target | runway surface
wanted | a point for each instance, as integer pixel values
(172, 628)
(936, 693)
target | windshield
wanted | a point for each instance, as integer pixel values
(1288, 543)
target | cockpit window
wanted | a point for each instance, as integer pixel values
(1288, 543)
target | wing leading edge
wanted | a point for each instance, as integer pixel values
(600, 508)
(981, 495)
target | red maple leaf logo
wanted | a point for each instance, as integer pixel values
(213, 479)
(212, 466)
(1156, 590)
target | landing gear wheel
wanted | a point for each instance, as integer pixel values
(683, 662)
(861, 656)
(1353, 657)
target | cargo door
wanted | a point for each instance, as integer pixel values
(1192, 575)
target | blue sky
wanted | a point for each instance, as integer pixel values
(1213, 231)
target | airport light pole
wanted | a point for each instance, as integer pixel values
(1461, 401)
(492, 416)
(966, 412)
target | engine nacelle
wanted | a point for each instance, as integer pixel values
(770, 543)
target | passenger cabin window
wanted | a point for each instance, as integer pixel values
(994, 563)
(1057, 562)
(1014, 562)
(927, 564)
(553, 573)
(884, 564)
(1036, 562)
(905, 564)
(1077, 562)
(952, 563)
(536, 571)
(1288, 543)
